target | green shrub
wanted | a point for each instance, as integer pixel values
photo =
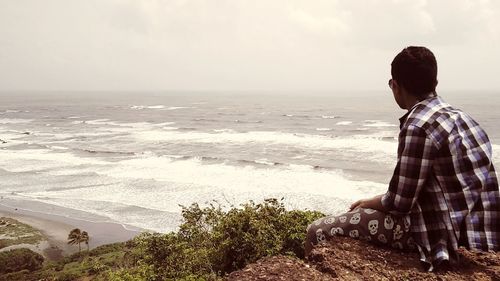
(212, 242)
(98, 251)
(140, 272)
(23, 275)
(108, 248)
(96, 267)
(173, 257)
(19, 259)
(245, 235)
(67, 276)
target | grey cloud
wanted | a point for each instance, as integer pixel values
(239, 44)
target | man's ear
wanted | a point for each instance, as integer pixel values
(395, 86)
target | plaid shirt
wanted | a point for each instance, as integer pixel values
(445, 182)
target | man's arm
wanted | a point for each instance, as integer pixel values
(416, 156)
(416, 153)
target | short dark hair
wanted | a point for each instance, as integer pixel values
(415, 69)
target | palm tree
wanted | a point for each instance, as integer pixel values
(76, 236)
(85, 238)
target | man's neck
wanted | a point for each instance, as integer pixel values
(410, 100)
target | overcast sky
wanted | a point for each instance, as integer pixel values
(250, 45)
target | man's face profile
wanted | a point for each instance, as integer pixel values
(393, 85)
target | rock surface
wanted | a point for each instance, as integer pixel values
(347, 259)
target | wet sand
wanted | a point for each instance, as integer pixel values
(56, 228)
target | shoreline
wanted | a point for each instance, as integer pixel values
(56, 229)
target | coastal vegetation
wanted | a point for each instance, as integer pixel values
(13, 232)
(249, 242)
(76, 237)
(20, 259)
(211, 242)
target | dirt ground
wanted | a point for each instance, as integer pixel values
(347, 259)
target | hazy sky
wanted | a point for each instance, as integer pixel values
(251, 45)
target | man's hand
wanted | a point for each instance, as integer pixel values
(371, 203)
(358, 204)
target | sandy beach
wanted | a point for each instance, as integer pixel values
(56, 228)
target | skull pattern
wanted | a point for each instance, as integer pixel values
(330, 220)
(382, 238)
(364, 224)
(370, 211)
(355, 219)
(373, 227)
(366, 238)
(388, 222)
(398, 233)
(337, 231)
(354, 233)
(320, 236)
(406, 222)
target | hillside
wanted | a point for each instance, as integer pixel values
(251, 242)
(348, 259)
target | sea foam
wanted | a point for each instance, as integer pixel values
(188, 181)
(377, 123)
(358, 143)
(14, 121)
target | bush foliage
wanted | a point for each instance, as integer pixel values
(19, 259)
(212, 242)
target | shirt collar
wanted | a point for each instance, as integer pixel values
(404, 117)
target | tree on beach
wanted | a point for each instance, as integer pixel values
(86, 238)
(76, 236)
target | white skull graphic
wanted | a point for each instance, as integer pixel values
(354, 233)
(382, 238)
(398, 233)
(388, 222)
(342, 219)
(373, 226)
(329, 220)
(337, 231)
(370, 211)
(320, 236)
(355, 218)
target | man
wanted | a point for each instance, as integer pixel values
(444, 190)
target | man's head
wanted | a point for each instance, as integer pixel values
(414, 72)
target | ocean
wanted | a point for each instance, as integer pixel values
(134, 158)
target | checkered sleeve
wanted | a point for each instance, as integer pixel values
(416, 152)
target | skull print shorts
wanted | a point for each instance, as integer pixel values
(365, 224)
